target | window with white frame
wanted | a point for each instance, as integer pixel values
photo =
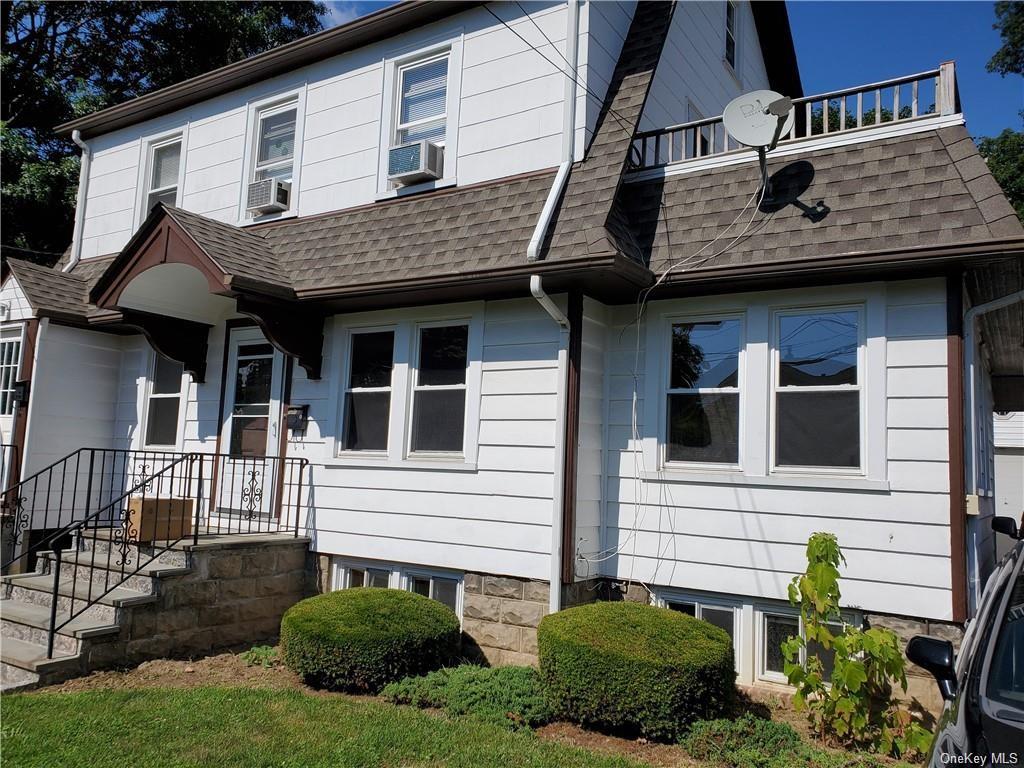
(10, 360)
(720, 615)
(368, 393)
(162, 178)
(776, 627)
(274, 157)
(444, 589)
(439, 389)
(443, 586)
(818, 389)
(732, 11)
(703, 394)
(421, 104)
(164, 402)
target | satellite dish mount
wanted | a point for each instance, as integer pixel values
(759, 119)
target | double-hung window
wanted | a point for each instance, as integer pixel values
(732, 11)
(368, 395)
(817, 383)
(422, 102)
(703, 395)
(275, 143)
(439, 389)
(164, 403)
(164, 166)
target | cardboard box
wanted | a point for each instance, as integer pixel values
(159, 519)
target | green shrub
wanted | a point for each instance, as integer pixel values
(509, 696)
(635, 669)
(751, 742)
(362, 639)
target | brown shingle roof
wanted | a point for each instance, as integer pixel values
(588, 220)
(51, 293)
(911, 191)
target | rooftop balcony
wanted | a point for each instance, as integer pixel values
(850, 115)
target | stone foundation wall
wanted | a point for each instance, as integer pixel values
(922, 692)
(500, 615)
(235, 595)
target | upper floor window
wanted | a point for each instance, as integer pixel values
(731, 24)
(275, 143)
(368, 395)
(422, 104)
(164, 167)
(164, 402)
(703, 392)
(439, 389)
(818, 388)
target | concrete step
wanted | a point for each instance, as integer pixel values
(37, 588)
(31, 622)
(173, 557)
(105, 573)
(31, 658)
(15, 678)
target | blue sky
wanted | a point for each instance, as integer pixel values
(840, 44)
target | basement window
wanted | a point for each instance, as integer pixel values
(164, 403)
(444, 589)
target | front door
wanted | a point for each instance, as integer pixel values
(250, 432)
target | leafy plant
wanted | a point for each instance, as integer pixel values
(260, 656)
(507, 696)
(855, 707)
(752, 742)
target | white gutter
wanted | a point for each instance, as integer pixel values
(83, 191)
(969, 371)
(537, 289)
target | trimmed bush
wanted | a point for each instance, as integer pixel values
(361, 639)
(635, 669)
(508, 696)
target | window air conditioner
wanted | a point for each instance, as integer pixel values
(268, 196)
(419, 161)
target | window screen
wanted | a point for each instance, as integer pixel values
(703, 394)
(164, 402)
(439, 396)
(165, 162)
(275, 145)
(818, 390)
(422, 102)
(368, 396)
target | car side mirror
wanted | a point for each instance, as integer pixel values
(1006, 525)
(936, 656)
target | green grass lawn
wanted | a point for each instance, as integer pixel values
(252, 728)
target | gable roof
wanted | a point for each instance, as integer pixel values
(908, 193)
(49, 292)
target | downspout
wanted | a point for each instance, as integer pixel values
(537, 290)
(969, 371)
(83, 191)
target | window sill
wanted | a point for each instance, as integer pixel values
(811, 482)
(437, 465)
(267, 217)
(413, 189)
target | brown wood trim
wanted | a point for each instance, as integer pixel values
(282, 434)
(184, 341)
(294, 330)
(28, 355)
(572, 433)
(955, 400)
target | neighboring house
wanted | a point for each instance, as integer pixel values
(1008, 469)
(461, 360)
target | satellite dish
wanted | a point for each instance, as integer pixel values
(758, 118)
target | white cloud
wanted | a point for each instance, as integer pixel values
(340, 12)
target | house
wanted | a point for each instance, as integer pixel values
(569, 349)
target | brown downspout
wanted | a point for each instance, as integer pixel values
(955, 404)
(572, 431)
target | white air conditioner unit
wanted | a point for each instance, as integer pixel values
(268, 196)
(419, 161)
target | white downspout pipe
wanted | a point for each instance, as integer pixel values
(537, 289)
(83, 191)
(969, 371)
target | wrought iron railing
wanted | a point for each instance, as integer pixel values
(899, 100)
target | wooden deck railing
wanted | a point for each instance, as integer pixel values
(899, 100)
